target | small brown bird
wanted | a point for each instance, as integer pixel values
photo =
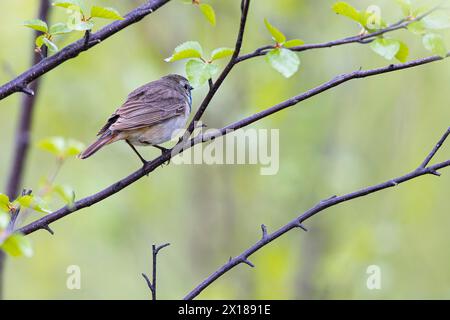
(149, 116)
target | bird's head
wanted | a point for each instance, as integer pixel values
(179, 80)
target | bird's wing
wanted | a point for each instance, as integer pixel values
(146, 106)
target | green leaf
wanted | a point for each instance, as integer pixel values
(4, 202)
(199, 72)
(73, 148)
(435, 43)
(70, 4)
(405, 5)
(50, 45)
(61, 147)
(66, 193)
(284, 61)
(36, 24)
(417, 27)
(39, 41)
(59, 28)
(54, 145)
(81, 25)
(105, 13)
(387, 48)
(277, 35)
(293, 43)
(208, 12)
(403, 52)
(221, 53)
(31, 202)
(189, 49)
(346, 10)
(437, 20)
(4, 220)
(371, 19)
(17, 245)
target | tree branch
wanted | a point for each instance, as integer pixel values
(152, 284)
(322, 205)
(158, 161)
(20, 83)
(363, 38)
(23, 131)
(245, 4)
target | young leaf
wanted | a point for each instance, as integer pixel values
(54, 145)
(284, 61)
(208, 12)
(346, 10)
(59, 28)
(81, 25)
(437, 20)
(387, 48)
(66, 4)
(277, 35)
(293, 43)
(417, 27)
(405, 5)
(4, 220)
(39, 41)
(105, 13)
(66, 193)
(199, 72)
(4, 202)
(31, 202)
(220, 53)
(72, 148)
(435, 43)
(36, 24)
(17, 245)
(50, 45)
(403, 52)
(189, 49)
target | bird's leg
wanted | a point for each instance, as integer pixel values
(138, 154)
(163, 150)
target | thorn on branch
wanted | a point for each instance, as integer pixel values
(47, 228)
(301, 226)
(328, 199)
(435, 173)
(26, 90)
(247, 262)
(87, 36)
(264, 232)
(394, 183)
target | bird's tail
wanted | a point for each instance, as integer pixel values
(97, 145)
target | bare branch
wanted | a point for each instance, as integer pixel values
(321, 206)
(71, 51)
(150, 166)
(152, 284)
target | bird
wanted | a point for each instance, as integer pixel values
(149, 116)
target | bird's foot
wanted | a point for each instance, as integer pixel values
(163, 151)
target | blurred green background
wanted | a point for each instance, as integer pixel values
(358, 134)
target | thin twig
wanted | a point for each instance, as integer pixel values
(322, 205)
(71, 51)
(150, 166)
(362, 39)
(152, 284)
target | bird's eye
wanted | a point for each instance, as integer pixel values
(187, 86)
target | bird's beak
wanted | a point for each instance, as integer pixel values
(191, 87)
